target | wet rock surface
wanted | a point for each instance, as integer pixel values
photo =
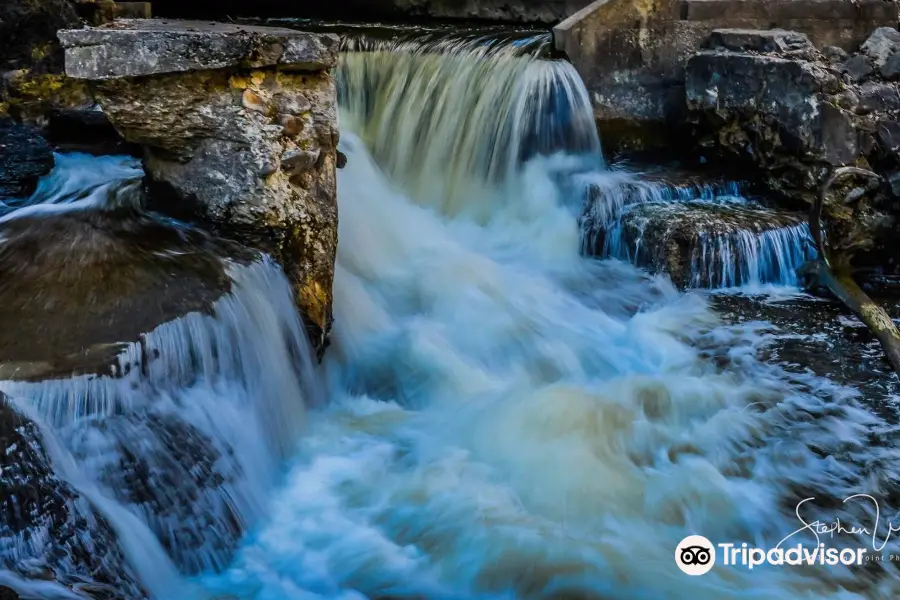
(24, 157)
(809, 334)
(48, 530)
(239, 128)
(73, 313)
(793, 114)
(173, 475)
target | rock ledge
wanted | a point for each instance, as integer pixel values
(138, 47)
(239, 131)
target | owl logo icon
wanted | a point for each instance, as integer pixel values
(695, 555)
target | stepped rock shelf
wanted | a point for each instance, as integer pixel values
(239, 130)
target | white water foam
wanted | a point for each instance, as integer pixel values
(504, 425)
(507, 418)
(78, 182)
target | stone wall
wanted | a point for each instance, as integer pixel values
(519, 11)
(631, 53)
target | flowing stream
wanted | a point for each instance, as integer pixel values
(498, 416)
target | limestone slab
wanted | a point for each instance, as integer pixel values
(141, 47)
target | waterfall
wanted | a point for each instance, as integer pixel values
(174, 436)
(505, 417)
(511, 419)
(493, 106)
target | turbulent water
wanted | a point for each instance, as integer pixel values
(505, 417)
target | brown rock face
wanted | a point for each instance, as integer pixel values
(249, 150)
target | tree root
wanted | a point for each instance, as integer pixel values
(834, 273)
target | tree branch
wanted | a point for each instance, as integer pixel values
(838, 278)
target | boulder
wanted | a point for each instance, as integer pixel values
(239, 130)
(890, 70)
(881, 45)
(24, 157)
(858, 67)
(775, 107)
(835, 54)
(48, 530)
(877, 96)
(129, 276)
(631, 54)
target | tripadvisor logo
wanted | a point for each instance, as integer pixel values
(696, 555)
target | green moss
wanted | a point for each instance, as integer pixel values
(29, 96)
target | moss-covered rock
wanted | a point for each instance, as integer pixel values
(34, 97)
(32, 83)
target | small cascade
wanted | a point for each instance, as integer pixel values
(195, 371)
(703, 237)
(751, 258)
(610, 193)
(189, 431)
(489, 102)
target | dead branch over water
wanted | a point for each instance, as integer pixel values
(833, 271)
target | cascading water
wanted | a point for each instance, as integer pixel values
(507, 418)
(174, 437)
(724, 245)
(493, 106)
(749, 258)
